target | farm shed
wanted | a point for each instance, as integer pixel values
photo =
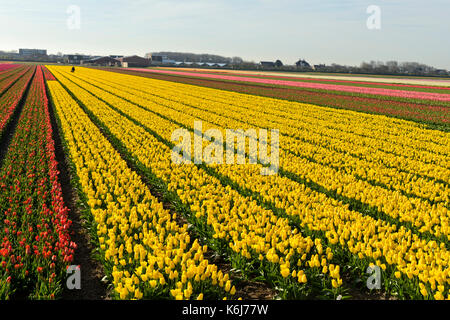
(102, 61)
(135, 61)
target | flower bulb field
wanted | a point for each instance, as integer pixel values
(357, 208)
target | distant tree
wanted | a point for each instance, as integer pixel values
(301, 63)
(365, 67)
(392, 65)
(237, 60)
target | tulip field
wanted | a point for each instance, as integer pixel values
(424, 101)
(363, 184)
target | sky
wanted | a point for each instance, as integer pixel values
(325, 31)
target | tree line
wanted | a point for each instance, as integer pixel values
(372, 67)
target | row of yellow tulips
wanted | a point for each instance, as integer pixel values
(147, 255)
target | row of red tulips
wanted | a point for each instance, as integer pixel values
(48, 75)
(35, 245)
(11, 98)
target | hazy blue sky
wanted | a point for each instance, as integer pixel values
(322, 31)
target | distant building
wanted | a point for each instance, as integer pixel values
(442, 72)
(269, 64)
(157, 59)
(101, 61)
(75, 58)
(32, 52)
(115, 56)
(160, 59)
(318, 67)
(134, 62)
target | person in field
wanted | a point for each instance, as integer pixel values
(73, 69)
